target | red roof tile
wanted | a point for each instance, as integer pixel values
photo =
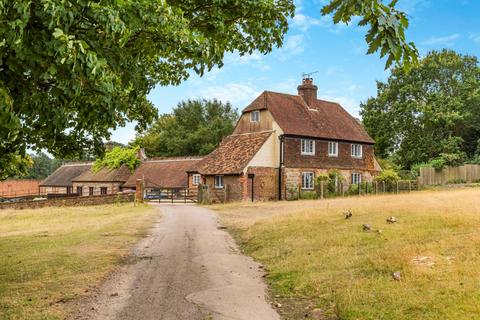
(165, 173)
(323, 119)
(233, 154)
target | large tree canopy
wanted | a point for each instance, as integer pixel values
(70, 71)
(195, 127)
(431, 112)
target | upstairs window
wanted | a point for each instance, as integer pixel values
(357, 151)
(307, 180)
(308, 147)
(254, 116)
(196, 179)
(356, 178)
(219, 182)
(333, 149)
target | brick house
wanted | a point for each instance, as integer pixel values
(166, 173)
(102, 182)
(284, 141)
(61, 180)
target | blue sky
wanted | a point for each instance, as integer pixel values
(313, 43)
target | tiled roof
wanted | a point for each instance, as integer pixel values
(165, 173)
(105, 175)
(63, 176)
(323, 119)
(233, 154)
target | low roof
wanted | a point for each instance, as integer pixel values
(64, 175)
(105, 175)
(233, 154)
(323, 119)
(164, 173)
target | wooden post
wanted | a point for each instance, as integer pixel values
(225, 193)
(321, 189)
(397, 187)
(409, 186)
(384, 186)
(185, 195)
(376, 187)
(343, 189)
(139, 190)
(359, 185)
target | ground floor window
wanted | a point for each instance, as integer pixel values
(307, 180)
(356, 178)
(103, 190)
(196, 179)
(90, 191)
(218, 182)
(69, 190)
(79, 191)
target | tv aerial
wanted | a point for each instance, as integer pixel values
(308, 75)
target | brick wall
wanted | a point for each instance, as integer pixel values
(20, 187)
(70, 202)
(265, 184)
(292, 177)
(112, 187)
(294, 159)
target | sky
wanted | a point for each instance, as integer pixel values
(337, 53)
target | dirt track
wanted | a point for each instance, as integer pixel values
(186, 269)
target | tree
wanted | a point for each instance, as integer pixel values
(430, 112)
(42, 166)
(70, 71)
(116, 157)
(195, 127)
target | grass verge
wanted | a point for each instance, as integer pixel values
(318, 259)
(52, 255)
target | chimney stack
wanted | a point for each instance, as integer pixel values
(308, 91)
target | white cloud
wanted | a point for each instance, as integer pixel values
(475, 38)
(304, 22)
(293, 45)
(235, 93)
(442, 41)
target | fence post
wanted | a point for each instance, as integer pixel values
(139, 191)
(397, 187)
(376, 187)
(383, 186)
(343, 189)
(321, 189)
(409, 186)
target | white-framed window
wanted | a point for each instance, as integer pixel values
(307, 180)
(218, 182)
(356, 178)
(255, 116)
(357, 150)
(196, 179)
(308, 147)
(332, 149)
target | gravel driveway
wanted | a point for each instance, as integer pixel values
(187, 268)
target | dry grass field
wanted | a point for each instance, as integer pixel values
(52, 255)
(318, 259)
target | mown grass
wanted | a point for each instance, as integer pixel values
(318, 259)
(52, 255)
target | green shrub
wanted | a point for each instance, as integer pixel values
(456, 181)
(437, 164)
(117, 157)
(387, 176)
(308, 195)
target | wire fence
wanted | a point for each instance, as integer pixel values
(333, 190)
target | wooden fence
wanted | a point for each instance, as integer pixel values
(467, 173)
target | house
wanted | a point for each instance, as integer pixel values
(101, 182)
(283, 142)
(166, 173)
(61, 180)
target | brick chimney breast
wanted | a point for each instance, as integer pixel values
(308, 91)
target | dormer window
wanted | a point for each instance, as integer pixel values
(357, 151)
(254, 116)
(333, 149)
(308, 147)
